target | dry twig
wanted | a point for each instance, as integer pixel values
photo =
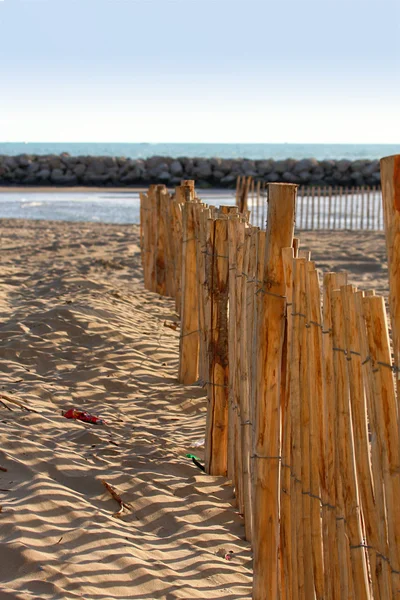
(117, 498)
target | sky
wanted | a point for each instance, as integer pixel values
(273, 71)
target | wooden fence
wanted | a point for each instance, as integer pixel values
(318, 207)
(302, 411)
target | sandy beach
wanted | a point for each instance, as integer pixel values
(78, 329)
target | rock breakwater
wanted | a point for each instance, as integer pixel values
(66, 170)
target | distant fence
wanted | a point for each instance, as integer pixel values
(302, 413)
(318, 207)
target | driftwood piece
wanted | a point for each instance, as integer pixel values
(117, 498)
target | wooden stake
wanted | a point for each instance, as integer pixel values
(369, 474)
(298, 359)
(387, 423)
(331, 544)
(280, 229)
(286, 550)
(316, 410)
(189, 340)
(217, 431)
(245, 415)
(346, 456)
(390, 181)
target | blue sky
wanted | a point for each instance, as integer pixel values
(200, 71)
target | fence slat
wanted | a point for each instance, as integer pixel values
(280, 229)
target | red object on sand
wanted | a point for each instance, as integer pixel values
(81, 415)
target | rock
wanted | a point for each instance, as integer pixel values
(156, 161)
(304, 165)
(202, 171)
(79, 170)
(19, 173)
(164, 176)
(10, 162)
(280, 166)
(97, 167)
(304, 176)
(155, 171)
(358, 165)
(273, 177)
(56, 174)
(24, 160)
(264, 166)
(218, 175)
(289, 177)
(133, 176)
(64, 179)
(33, 168)
(176, 168)
(43, 174)
(228, 179)
(343, 165)
(95, 179)
(56, 163)
(376, 177)
(371, 168)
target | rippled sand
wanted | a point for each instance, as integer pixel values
(78, 329)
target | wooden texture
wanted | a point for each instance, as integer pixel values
(390, 181)
(386, 413)
(329, 493)
(161, 240)
(189, 336)
(374, 532)
(245, 415)
(346, 464)
(280, 228)
(374, 509)
(286, 549)
(316, 411)
(297, 381)
(217, 430)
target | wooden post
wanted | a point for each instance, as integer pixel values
(387, 423)
(371, 489)
(286, 549)
(332, 281)
(201, 249)
(316, 411)
(297, 396)
(189, 339)
(235, 462)
(245, 415)
(217, 421)
(346, 456)
(280, 229)
(345, 573)
(382, 565)
(390, 181)
(160, 242)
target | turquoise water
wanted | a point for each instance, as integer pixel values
(252, 151)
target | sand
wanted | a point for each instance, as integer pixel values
(77, 329)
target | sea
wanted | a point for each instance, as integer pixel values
(123, 206)
(251, 151)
